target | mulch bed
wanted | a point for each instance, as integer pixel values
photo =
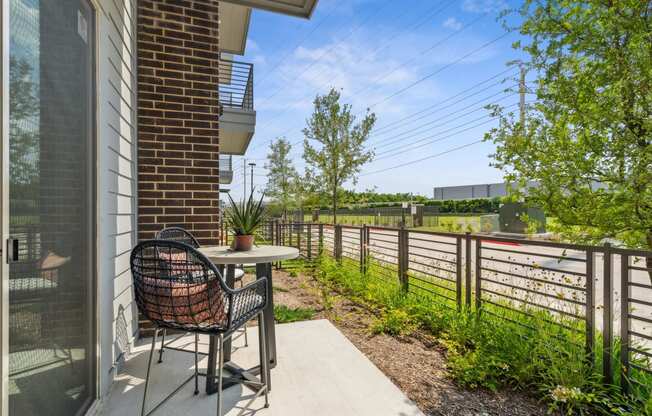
(416, 363)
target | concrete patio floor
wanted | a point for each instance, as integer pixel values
(319, 373)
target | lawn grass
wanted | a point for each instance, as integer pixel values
(285, 314)
(443, 223)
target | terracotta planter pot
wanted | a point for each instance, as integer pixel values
(243, 242)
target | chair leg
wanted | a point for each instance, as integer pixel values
(245, 326)
(220, 368)
(196, 363)
(265, 361)
(160, 352)
(149, 368)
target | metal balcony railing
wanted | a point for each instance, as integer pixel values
(226, 163)
(236, 87)
(226, 169)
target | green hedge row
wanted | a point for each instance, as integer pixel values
(479, 206)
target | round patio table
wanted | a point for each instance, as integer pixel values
(226, 259)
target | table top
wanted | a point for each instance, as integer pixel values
(258, 254)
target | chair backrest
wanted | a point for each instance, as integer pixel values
(178, 287)
(177, 234)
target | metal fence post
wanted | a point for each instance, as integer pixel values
(278, 232)
(624, 323)
(309, 241)
(278, 240)
(458, 272)
(478, 277)
(299, 229)
(607, 340)
(321, 240)
(403, 254)
(362, 249)
(338, 242)
(468, 262)
(590, 306)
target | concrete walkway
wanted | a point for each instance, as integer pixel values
(319, 373)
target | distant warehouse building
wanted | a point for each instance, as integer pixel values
(487, 190)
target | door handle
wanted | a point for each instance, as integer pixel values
(12, 250)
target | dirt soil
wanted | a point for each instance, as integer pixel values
(416, 364)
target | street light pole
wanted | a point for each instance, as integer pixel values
(252, 164)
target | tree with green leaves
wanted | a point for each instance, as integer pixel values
(303, 190)
(23, 125)
(340, 150)
(282, 175)
(587, 138)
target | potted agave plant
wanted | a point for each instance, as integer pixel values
(244, 218)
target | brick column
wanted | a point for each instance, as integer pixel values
(178, 109)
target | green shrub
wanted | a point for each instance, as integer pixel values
(394, 322)
(528, 349)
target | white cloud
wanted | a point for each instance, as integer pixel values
(369, 73)
(452, 23)
(252, 46)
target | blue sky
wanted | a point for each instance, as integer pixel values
(425, 67)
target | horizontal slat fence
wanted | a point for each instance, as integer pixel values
(636, 321)
(434, 266)
(582, 290)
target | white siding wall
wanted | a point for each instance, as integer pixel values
(116, 30)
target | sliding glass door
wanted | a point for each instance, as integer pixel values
(51, 207)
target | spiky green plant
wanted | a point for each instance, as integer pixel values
(245, 217)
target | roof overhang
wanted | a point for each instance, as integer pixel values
(234, 27)
(297, 8)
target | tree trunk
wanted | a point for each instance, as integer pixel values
(335, 208)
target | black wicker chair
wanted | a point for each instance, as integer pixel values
(177, 287)
(178, 234)
(183, 236)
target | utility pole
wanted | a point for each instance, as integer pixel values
(244, 170)
(252, 164)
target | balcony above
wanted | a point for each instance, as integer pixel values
(226, 169)
(234, 27)
(297, 8)
(238, 119)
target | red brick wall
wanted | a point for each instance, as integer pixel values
(178, 145)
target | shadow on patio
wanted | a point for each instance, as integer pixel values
(319, 372)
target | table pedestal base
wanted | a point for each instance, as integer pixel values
(239, 375)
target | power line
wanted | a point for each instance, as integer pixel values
(465, 127)
(423, 52)
(391, 140)
(412, 162)
(301, 41)
(436, 138)
(388, 141)
(402, 90)
(429, 14)
(431, 122)
(432, 47)
(323, 54)
(461, 93)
